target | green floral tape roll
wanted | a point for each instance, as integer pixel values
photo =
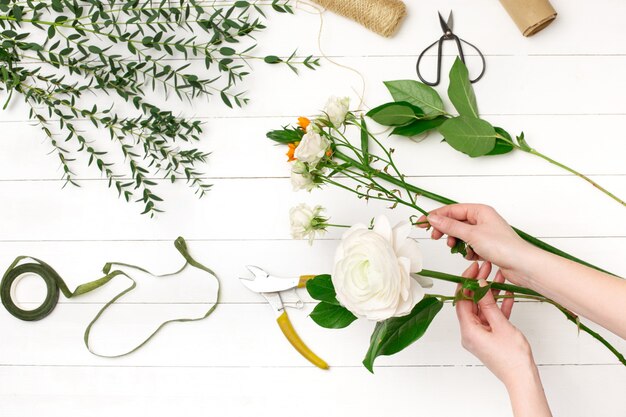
(55, 285)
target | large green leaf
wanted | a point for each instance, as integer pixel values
(502, 146)
(460, 90)
(419, 126)
(332, 316)
(418, 94)
(321, 288)
(285, 135)
(394, 334)
(395, 113)
(470, 135)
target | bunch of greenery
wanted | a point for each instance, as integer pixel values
(417, 108)
(366, 168)
(56, 54)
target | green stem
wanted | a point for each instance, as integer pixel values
(532, 295)
(444, 200)
(563, 166)
(578, 174)
(460, 280)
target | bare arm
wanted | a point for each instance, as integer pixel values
(585, 291)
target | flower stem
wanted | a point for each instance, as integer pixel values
(578, 174)
(444, 200)
(531, 295)
(535, 152)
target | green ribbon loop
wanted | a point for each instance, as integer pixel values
(55, 285)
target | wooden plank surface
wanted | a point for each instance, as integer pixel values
(564, 88)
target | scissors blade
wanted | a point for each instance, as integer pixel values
(446, 26)
(274, 300)
(270, 284)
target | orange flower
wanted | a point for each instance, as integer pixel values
(290, 152)
(303, 122)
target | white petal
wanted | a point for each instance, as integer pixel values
(424, 282)
(383, 228)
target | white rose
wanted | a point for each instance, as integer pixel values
(372, 272)
(336, 109)
(312, 147)
(307, 222)
(301, 179)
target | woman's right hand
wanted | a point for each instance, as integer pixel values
(489, 236)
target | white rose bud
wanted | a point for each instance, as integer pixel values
(336, 109)
(372, 272)
(307, 222)
(301, 179)
(312, 148)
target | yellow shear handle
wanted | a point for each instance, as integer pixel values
(297, 343)
(304, 279)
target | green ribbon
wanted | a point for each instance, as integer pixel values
(55, 284)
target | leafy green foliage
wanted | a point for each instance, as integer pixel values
(395, 113)
(460, 90)
(502, 145)
(460, 246)
(328, 313)
(55, 55)
(286, 135)
(419, 126)
(321, 288)
(395, 334)
(332, 316)
(472, 136)
(418, 94)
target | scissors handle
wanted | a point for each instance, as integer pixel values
(439, 42)
(290, 333)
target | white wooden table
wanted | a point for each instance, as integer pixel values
(564, 87)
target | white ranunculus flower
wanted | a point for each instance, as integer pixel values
(307, 222)
(372, 272)
(312, 147)
(336, 109)
(301, 178)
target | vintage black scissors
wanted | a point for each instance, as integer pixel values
(447, 35)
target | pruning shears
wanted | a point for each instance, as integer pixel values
(270, 287)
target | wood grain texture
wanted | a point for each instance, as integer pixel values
(564, 88)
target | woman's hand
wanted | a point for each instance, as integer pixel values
(489, 236)
(487, 333)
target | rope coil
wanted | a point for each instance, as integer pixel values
(380, 16)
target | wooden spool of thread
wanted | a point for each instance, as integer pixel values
(381, 16)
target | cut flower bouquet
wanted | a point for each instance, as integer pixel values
(378, 273)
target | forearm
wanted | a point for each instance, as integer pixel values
(527, 396)
(578, 288)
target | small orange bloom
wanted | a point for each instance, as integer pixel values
(303, 122)
(291, 151)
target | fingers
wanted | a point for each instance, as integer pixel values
(465, 308)
(461, 212)
(507, 305)
(489, 309)
(449, 226)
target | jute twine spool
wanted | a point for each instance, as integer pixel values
(381, 16)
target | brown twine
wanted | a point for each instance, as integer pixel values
(381, 16)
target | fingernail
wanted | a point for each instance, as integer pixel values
(482, 283)
(434, 219)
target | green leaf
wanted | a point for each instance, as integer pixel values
(321, 288)
(226, 51)
(418, 94)
(394, 334)
(419, 126)
(459, 247)
(460, 90)
(272, 59)
(332, 316)
(472, 136)
(480, 292)
(285, 135)
(395, 114)
(502, 146)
